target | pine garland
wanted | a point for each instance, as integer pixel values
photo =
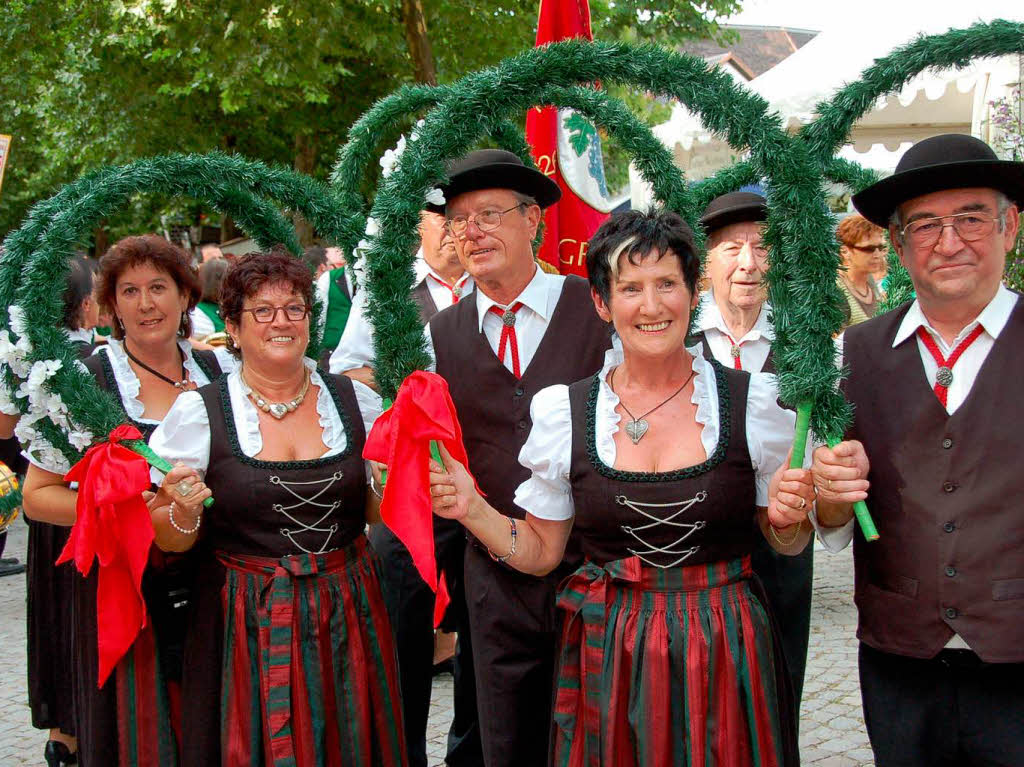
(36, 258)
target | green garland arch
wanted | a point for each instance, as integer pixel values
(37, 254)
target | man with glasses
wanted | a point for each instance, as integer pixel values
(523, 330)
(935, 386)
(863, 250)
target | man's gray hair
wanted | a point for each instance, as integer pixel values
(524, 199)
(1002, 205)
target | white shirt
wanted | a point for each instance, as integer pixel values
(539, 299)
(548, 450)
(82, 335)
(128, 388)
(754, 346)
(184, 434)
(993, 319)
(355, 349)
(202, 325)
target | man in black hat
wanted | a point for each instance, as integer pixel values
(935, 387)
(733, 327)
(521, 331)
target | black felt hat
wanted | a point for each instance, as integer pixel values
(949, 161)
(733, 208)
(497, 169)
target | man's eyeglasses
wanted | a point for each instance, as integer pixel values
(968, 226)
(487, 221)
(265, 314)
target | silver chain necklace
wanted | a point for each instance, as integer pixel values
(637, 427)
(277, 409)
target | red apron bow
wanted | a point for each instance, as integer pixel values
(113, 526)
(423, 411)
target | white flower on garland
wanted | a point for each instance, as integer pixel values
(389, 161)
(7, 405)
(14, 354)
(80, 438)
(17, 317)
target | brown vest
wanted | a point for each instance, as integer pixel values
(944, 494)
(709, 509)
(493, 405)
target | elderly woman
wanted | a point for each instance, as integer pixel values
(148, 287)
(289, 657)
(669, 466)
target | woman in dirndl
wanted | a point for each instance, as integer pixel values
(289, 658)
(665, 466)
(147, 285)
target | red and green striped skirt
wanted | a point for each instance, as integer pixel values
(310, 676)
(669, 667)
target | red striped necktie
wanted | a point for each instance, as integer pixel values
(456, 289)
(508, 334)
(944, 376)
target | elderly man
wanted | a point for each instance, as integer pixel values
(734, 329)
(523, 330)
(935, 386)
(442, 282)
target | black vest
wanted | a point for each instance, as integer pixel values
(944, 494)
(492, 404)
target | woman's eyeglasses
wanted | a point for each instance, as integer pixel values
(265, 314)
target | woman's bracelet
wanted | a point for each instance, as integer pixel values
(374, 486)
(179, 528)
(791, 541)
(512, 547)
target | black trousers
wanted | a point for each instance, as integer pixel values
(515, 635)
(952, 710)
(410, 605)
(788, 583)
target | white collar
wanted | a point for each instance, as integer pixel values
(710, 318)
(422, 270)
(534, 297)
(83, 335)
(993, 318)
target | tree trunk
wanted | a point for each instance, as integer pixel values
(227, 226)
(305, 159)
(100, 239)
(418, 41)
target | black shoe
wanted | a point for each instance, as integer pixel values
(57, 753)
(11, 569)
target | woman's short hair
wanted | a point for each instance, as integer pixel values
(79, 288)
(211, 275)
(855, 228)
(255, 270)
(164, 256)
(635, 235)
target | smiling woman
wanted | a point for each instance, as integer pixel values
(280, 444)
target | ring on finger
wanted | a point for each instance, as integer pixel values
(803, 503)
(184, 488)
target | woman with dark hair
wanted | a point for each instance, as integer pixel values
(147, 286)
(289, 657)
(666, 466)
(50, 586)
(206, 317)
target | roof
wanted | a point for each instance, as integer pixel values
(757, 49)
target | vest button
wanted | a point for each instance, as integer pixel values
(947, 443)
(949, 527)
(950, 570)
(951, 612)
(520, 391)
(521, 425)
(949, 487)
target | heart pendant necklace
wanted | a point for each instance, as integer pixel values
(636, 428)
(277, 409)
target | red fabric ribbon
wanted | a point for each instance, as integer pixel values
(112, 526)
(400, 439)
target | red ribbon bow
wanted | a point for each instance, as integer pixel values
(113, 526)
(423, 411)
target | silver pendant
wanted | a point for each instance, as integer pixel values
(457, 291)
(735, 351)
(508, 318)
(636, 430)
(278, 409)
(944, 376)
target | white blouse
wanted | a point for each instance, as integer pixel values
(548, 450)
(41, 454)
(184, 434)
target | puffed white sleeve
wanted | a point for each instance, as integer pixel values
(355, 348)
(183, 436)
(547, 454)
(769, 431)
(370, 407)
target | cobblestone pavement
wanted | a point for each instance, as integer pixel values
(831, 733)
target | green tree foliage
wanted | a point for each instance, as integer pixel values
(98, 83)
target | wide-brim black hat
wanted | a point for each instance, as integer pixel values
(733, 208)
(949, 161)
(497, 169)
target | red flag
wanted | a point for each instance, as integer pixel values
(567, 148)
